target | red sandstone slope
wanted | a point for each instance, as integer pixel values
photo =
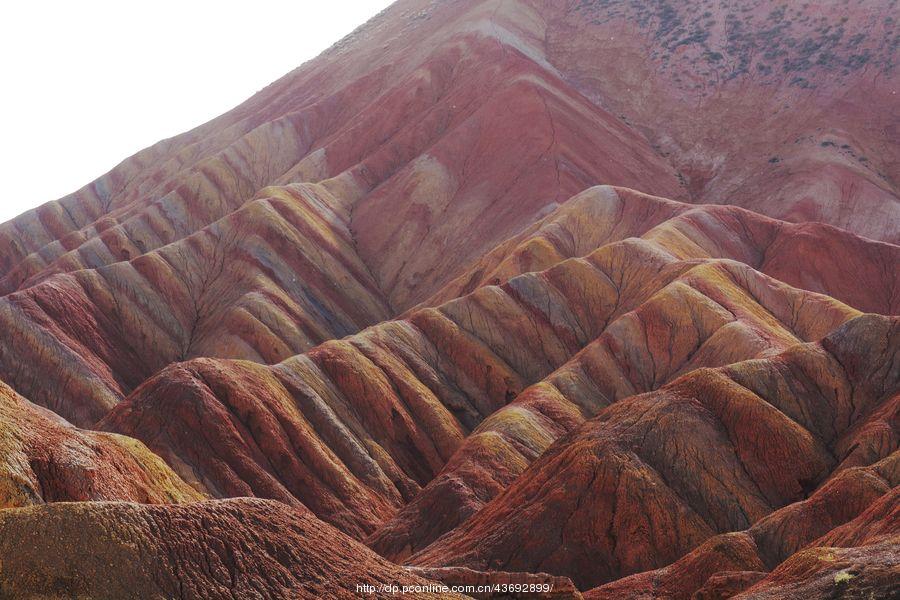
(709, 316)
(44, 459)
(731, 562)
(648, 344)
(811, 256)
(412, 114)
(653, 476)
(423, 137)
(539, 367)
(282, 274)
(355, 428)
(224, 549)
(420, 133)
(859, 558)
(274, 278)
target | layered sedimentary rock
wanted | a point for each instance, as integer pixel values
(710, 315)
(811, 256)
(282, 274)
(355, 428)
(858, 558)
(272, 279)
(430, 112)
(732, 562)
(220, 549)
(377, 128)
(422, 137)
(45, 459)
(669, 469)
(410, 288)
(868, 571)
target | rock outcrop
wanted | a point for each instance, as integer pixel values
(274, 278)
(387, 408)
(712, 314)
(733, 562)
(653, 476)
(45, 459)
(282, 274)
(218, 549)
(859, 558)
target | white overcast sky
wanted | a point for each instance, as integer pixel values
(86, 83)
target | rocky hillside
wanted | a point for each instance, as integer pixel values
(597, 294)
(223, 549)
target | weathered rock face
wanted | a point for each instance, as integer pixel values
(859, 558)
(272, 279)
(387, 408)
(864, 572)
(730, 563)
(669, 469)
(44, 459)
(282, 274)
(411, 289)
(710, 314)
(811, 256)
(784, 108)
(797, 105)
(220, 549)
(398, 130)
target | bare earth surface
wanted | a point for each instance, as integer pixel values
(596, 293)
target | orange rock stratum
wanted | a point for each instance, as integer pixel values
(600, 295)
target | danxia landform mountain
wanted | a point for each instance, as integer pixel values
(593, 295)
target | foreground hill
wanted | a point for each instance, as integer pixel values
(843, 511)
(858, 558)
(225, 549)
(44, 459)
(712, 452)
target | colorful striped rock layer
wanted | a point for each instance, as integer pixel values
(493, 294)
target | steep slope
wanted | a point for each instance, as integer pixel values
(272, 279)
(859, 558)
(385, 409)
(418, 130)
(428, 113)
(669, 469)
(732, 562)
(44, 459)
(423, 138)
(798, 103)
(409, 289)
(710, 315)
(668, 333)
(281, 275)
(868, 571)
(799, 118)
(221, 549)
(811, 256)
